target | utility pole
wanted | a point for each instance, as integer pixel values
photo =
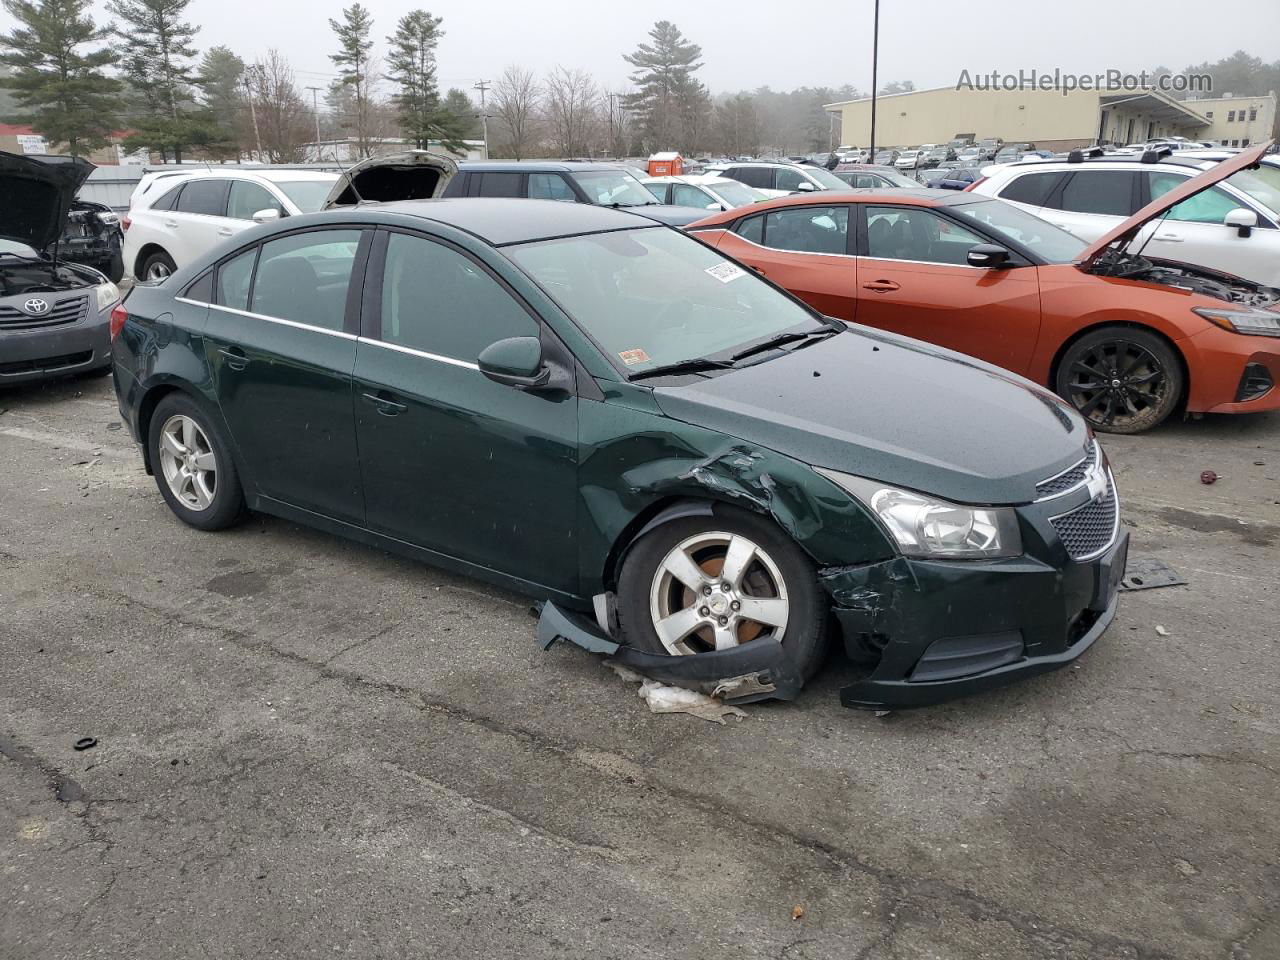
(483, 86)
(253, 110)
(315, 109)
(875, 63)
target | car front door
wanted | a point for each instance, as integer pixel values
(280, 343)
(806, 250)
(913, 279)
(1194, 232)
(452, 461)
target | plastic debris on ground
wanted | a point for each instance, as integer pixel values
(663, 698)
(1147, 573)
(1161, 631)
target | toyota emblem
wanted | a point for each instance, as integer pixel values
(36, 307)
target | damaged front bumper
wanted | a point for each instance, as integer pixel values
(950, 629)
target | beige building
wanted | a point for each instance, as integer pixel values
(1049, 119)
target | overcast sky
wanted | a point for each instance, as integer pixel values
(756, 42)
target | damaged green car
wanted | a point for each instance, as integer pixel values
(694, 470)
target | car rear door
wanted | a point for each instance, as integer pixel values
(913, 279)
(452, 461)
(198, 221)
(1194, 232)
(807, 250)
(1088, 203)
(281, 344)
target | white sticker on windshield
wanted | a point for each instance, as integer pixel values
(726, 272)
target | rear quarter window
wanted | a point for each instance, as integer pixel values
(1031, 188)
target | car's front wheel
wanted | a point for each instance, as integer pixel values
(711, 583)
(1121, 379)
(192, 465)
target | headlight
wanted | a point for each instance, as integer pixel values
(1259, 323)
(108, 293)
(925, 526)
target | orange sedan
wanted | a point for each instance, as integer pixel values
(1127, 339)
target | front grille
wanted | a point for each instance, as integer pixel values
(1069, 478)
(71, 310)
(1087, 531)
(46, 364)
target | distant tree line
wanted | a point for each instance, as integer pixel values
(77, 83)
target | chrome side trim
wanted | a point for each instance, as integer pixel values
(761, 246)
(288, 323)
(418, 353)
(192, 303)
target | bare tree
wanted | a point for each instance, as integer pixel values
(284, 122)
(572, 111)
(517, 102)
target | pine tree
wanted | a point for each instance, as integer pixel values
(411, 63)
(158, 63)
(59, 85)
(220, 79)
(665, 88)
(355, 72)
(461, 106)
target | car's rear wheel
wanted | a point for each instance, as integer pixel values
(1121, 379)
(192, 465)
(711, 583)
(157, 266)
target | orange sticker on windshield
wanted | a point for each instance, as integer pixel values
(632, 357)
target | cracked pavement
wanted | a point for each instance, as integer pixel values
(308, 747)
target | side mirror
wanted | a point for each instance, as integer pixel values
(715, 206)
(1243, 220)
(806, 186)
(515, 362)
(988, 256)
(266, 216)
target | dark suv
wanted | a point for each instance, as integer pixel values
(602, 184)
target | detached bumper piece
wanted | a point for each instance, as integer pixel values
(758, 670)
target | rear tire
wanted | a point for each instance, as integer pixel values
(702, 582)
(157, 266)
(193, 466)
(1121, 379)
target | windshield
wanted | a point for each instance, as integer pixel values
(1048, 241)
(652, 297)
(606, 187)
(828, 179)
(307, 195)
(734, 193)
(1263, 185)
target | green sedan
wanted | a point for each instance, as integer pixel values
(688, 466)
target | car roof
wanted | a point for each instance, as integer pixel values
(915, 198)
(760, 163)
(1107, 161)
(534, 166)
(499, 221)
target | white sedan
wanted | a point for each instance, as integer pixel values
(706, 191)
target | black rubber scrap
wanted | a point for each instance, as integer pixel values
(85, 743)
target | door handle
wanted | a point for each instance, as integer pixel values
(386, 407)
(236, 359)
(760, 270)
(1169, 237)
(882, 286)
(224, 231)
(171, 223)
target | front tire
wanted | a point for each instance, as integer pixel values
(1121, 379)
(711, 583)
(193, 466)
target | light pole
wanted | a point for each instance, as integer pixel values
(315, 109)
(482, 86)
(875, 63)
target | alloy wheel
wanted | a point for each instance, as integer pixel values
(1117, 383)
(158, 270)
(188, 463)
(716, 590)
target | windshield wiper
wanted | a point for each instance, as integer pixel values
(693, 365)
(642, 203)
(781, 340)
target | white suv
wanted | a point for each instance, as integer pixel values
(1233, 226)
(778, 179)
(174, 218)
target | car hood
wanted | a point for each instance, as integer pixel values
(36, 195)
(410, 175)
(1127, 230)
(897, 410)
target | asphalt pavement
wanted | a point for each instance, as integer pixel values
(305, 747)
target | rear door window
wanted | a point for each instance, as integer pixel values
(500, 185)
(304, 277)
(761, 177)
(808, 229)
(205, 197)
(1103, 192)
